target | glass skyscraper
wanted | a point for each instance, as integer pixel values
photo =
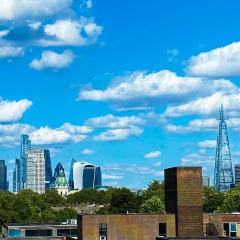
(70, 180)
(85, 175)
(3, 176)
(237, 174)
(57, 172)
(223, 173)
(60, 181)
(25, 147)
(48, 170)
(17, 176)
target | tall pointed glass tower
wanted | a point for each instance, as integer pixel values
(223, 174)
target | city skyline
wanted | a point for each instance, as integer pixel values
(98, 82)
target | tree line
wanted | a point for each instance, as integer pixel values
(29, 207)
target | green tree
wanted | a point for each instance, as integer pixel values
(155, 188)
(122, 201)
(64, 214)
(52, 198)
(212, 200)
(152, 205)
(231, 201)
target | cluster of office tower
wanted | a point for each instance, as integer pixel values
(33, 170)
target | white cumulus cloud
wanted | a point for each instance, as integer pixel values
(72, 32)
(139, 85)
(111, 177)
(196, 125)
(46, 135)
(206, 105)
(50, 59)
(110, 121)
(10, 134)
(141, 91)
(87, 152)
(12, 111)
(118, 134)
(219, 62)
(154, 154)
(207, 144)
(10, 51)
(15, 9)
(74, 129)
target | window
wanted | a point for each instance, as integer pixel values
(162, 229)
(226, 229)
(102, 231)
(14, 233)
(38, 233)
(230, 229)
(233, 229)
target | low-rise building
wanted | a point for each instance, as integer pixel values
(40, 230)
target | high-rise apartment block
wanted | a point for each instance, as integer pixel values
(38, 170)
(3, 176)
(35, 170)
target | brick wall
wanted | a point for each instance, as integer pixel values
(126, 227)
(183, 194)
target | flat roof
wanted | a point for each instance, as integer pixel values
(40, 225)
(126, 214)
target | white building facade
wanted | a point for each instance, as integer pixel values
(85, 175)
(35, 170)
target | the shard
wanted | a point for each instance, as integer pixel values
(223, 174)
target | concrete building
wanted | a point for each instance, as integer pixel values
(206, 181)
(35, 166)
(33, 231)
(38, 170)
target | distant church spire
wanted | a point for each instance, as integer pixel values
(223, 173)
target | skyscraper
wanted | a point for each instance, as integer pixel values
(70, 180)
(85, 175)
(17, 176)
(35, 170)
(60, 181)
(3, 176)
(57, 171)
(206, 181)
(25, 147)
(223, 173)
(237, 174)
(38, 170)
(48, 170)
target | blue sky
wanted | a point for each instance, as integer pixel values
(132, 86)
